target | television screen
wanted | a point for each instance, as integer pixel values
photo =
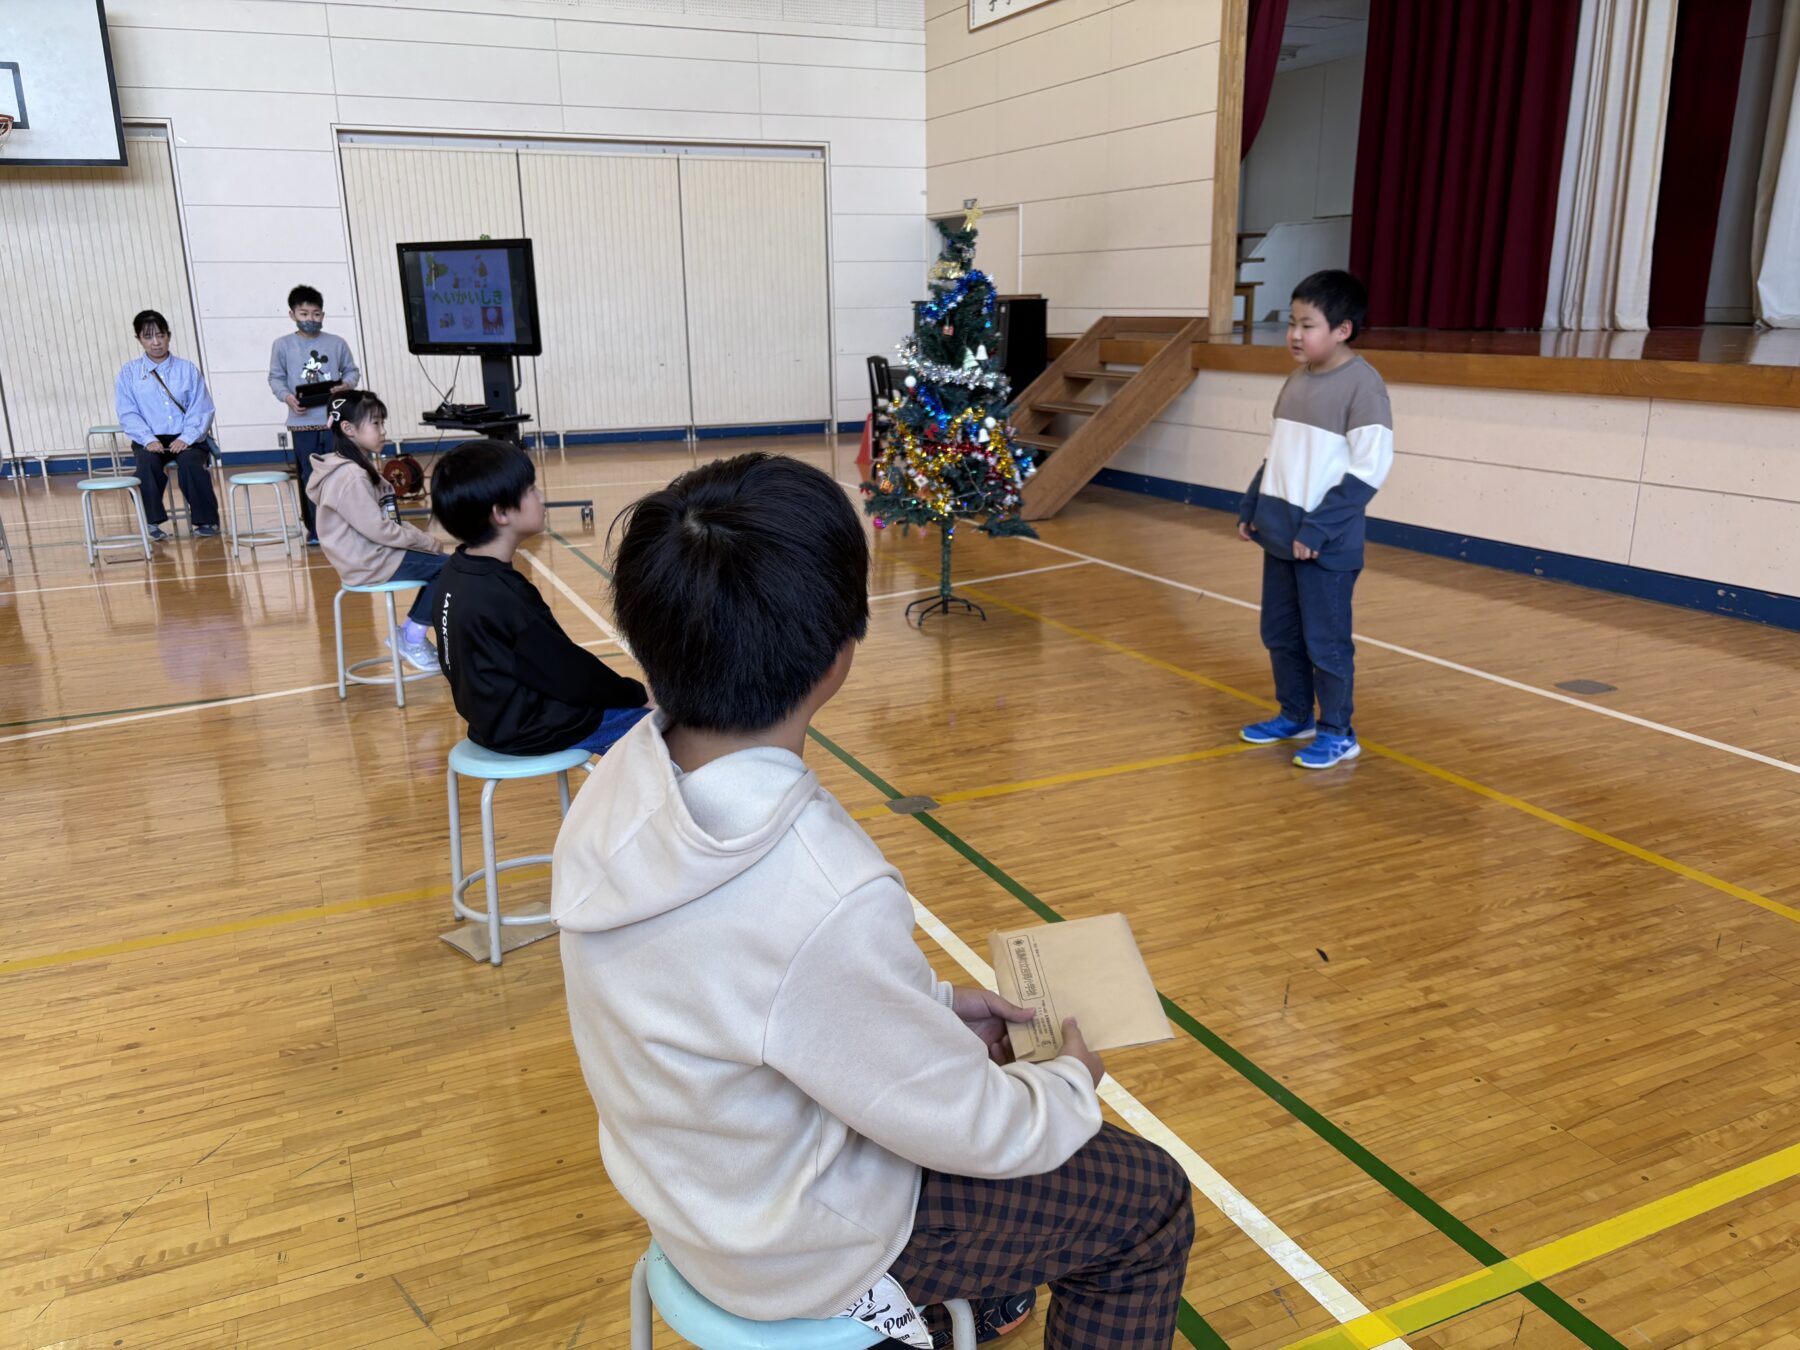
(473, 297)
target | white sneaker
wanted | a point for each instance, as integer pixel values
(420, 656)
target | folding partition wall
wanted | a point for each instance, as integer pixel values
(678, 286)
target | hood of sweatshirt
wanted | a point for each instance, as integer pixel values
(643, 838)
(326, 463)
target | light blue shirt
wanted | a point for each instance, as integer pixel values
(147, 411)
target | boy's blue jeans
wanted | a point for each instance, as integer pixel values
(1306, 627)
(615, 724)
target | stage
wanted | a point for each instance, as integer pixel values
(1717, 364)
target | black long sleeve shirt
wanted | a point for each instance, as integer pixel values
(518, 680)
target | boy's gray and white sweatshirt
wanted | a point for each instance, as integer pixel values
(772, 1058)
(1329, 453)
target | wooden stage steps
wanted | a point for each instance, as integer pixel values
(1070, 387)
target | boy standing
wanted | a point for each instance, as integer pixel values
(804, 1115)
(1330, 451)
(309, 355)
(522, 686)
(162, 404)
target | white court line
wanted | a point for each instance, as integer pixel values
(1551, 694)
(165, 580)
(1283, 1250)
(549, 574)
(978, 581)
(165, 712)
(1251, 1221)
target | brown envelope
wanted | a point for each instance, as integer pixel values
(1088, 969)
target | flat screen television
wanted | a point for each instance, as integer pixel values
(473, 297)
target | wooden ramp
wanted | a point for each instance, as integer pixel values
(1069, 389)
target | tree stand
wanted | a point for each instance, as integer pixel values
(944, 602)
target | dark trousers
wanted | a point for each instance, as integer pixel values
(1306, 627)
(1108, 1231)
(190, 471)
(418, 565)
(308, 441)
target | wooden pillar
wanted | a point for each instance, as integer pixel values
(1234, 37)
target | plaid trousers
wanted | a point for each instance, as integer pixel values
(1108, 1231)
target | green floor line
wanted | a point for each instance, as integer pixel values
(1374, 1168)
(1390, 1180)
(579, 554)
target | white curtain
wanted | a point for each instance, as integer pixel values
(1775, 240)
(1612, 166)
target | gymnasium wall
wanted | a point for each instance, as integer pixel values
(255, 90)
(1695, 489)
(1095, 118)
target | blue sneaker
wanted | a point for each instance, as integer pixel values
(1327, 750)
(1281, 728)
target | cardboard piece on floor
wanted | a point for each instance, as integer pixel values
(1088, 969)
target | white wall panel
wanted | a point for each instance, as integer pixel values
(485, 74)
(397, 195)
(756, 264)
(81, 252)
(607, 235)
(200, 59)
(215, 177)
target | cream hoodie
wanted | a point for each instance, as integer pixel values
(360, 540)
(771, 1056)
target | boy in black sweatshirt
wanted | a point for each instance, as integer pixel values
(522, 686)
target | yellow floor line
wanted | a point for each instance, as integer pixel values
(1062, 779)
(152, 940)
(1439, 1305)
(1629, 849)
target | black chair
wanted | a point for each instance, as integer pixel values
(881, 385)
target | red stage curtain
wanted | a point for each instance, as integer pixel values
(1709, 58)
(1261, 52)
(1465, 104)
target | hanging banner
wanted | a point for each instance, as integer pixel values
(984, 12)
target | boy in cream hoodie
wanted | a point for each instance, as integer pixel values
(801, 1111)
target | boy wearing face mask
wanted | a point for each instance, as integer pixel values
(309, 355)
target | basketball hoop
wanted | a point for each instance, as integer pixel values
(6, 125)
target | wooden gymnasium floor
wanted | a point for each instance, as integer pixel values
(1529, 967)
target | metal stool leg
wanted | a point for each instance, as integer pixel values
(281, 510)
(337, 613)
(490, 859)
(962, 1324)
(87, 527)
(562, 790)
(456, 872)
(394, 648)
(642, 1332)
(143, 520)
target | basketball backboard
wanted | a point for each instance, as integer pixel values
(56, 84)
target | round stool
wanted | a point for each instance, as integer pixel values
(349, 675)
(656, 1282)
(243, 482)
(469, 760)
(98, 543)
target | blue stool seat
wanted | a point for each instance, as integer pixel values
(471, 761)
(97, 543)
(700, 1323)
(656, 1282)
(260, 478)
(349, 674)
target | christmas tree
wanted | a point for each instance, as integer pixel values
(945, 452)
